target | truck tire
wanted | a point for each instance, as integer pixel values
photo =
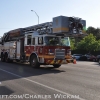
(2, 57)
(6, 58)
(34, 62)
(56, 65)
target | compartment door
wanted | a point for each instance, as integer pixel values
(18, 50)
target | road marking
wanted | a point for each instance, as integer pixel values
(39, 84)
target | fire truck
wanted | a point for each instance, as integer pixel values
(43, 44)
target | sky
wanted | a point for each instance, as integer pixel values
(17, 13)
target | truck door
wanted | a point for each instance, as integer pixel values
(20, 48)
(40, 49)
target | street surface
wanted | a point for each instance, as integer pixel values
(81, 80)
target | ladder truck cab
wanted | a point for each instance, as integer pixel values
(46, 43)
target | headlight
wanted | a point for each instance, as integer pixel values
(51, 52)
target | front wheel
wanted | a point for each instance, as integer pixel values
(56, 65)
(34, 62)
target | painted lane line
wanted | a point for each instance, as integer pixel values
(39, 84)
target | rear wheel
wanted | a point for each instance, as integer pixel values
(56, 65)
(34, 62)
(6, 58)
(2, 57)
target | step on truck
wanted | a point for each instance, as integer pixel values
(43, 44)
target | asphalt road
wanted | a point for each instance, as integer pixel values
(79, 81)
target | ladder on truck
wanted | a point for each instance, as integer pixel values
(44, 28)
(48, 28)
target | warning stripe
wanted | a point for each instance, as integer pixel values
(60, 61)
(68, 61)
(53, 62)
(49, 62)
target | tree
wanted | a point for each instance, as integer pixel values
(94, 31)
(72, 43)
(89, 43)
(91, 30)
(98, 33)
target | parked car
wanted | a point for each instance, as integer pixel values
(77, 56)
(91, 57)
(98, 58)
(88, 57)
(83, 58)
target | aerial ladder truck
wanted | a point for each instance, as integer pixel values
(43, 44)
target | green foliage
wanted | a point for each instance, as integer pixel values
(89, 43)
(72, 43)
(94, 31)
(91, 30)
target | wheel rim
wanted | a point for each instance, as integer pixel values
(33, 62)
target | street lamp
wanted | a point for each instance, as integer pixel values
(36, 15)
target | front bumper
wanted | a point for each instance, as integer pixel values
(66, 61)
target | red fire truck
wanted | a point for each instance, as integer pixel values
(46, 43)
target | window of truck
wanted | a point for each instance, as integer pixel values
(52, 41)
(29, 37)
(40, 40)
(56, 41)
(65, 41)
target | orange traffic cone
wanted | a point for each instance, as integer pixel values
(74, 61)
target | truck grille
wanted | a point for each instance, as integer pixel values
(59, 53)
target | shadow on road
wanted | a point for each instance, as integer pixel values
(24, 70)
(5, 90)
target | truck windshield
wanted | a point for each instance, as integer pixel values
(56, 41)
(65, 41)
(52, 41)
